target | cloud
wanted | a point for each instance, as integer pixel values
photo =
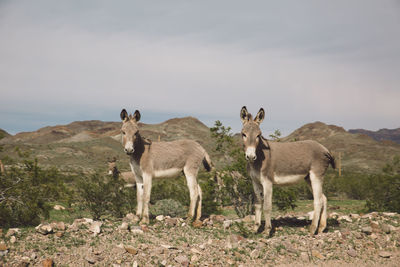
(300, 61)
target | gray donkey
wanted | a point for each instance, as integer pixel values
(150, 160)
(282, 164)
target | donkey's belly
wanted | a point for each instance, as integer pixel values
(287, 179)
(173, 172)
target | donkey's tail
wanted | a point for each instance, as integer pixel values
(208, 165)
(331, 159)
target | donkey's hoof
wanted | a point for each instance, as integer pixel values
(267, 232)
(144, 221)
(313, 229)
(256, 228)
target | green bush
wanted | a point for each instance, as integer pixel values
(105, 195)
(26, 192)
(175, 188)
(284, 198)
(168, 207)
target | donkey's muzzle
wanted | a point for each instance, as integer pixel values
(129, 151)
(251, 157)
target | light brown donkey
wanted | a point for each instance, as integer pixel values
(282, 164)
(150, 160)
(127, 177)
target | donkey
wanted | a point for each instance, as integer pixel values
(150, 160)
(283, 164)
(127, 177)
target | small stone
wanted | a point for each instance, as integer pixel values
(389, 214)
(144, 228)
(385, 254)
(182, 259)
(254, 254)
(48, 263)
(386, 228)
(59, 234)
(351, 252)
(374, 236)
(33, 256)
(44, 229)
(170, 221)
(60, 226)
(334, 215)
(25, 259)
(345, 218)
(135, 264)
(304, 257)
(137, 230)
(160, 218)
(366, 230)
(227, 224)
(3, 247)
(130, 217)
(194, 258)
(124, 226)
(375, 226)
(90, 259)
(95, 227)
(197, 224)
(131, 250)
(58, 207)
(194, 250)
(355, 216)
(12, 231)
(218, 218)
(317, 254)
(13, 239)
(163, 263)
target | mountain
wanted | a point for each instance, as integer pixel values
(380, 135)
(359, 152)
(87, 145)
(3, 134)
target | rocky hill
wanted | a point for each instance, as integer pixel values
(3, 134)
(359, 152)
(86, 145)
(380, 135)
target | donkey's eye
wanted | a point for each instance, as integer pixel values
(123, 132)
(243, 135)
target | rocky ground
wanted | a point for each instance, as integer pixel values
(367, 240)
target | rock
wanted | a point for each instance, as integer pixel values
(124, 226)
(13, 239)
(170, 221)
(95, 227)
(366, 230)
(386, 228)
(317, 254)
(44, 229)
(144, 228)
(385, 254)
(130, 217)
(48, 263)
(217, 218)
(389, 214)
(135, 264)
(3, 249)
(194, 258)
(345, 218)
(304, 257)
(227, 224)
(137, 230)
(355, 216)
(334, 215)
(33, 256)
(254, 254)
(160, 218)
(90, 259)
(182, 259)
(58, 207)
(164, 263)
(197, 224)
(375, 226)
(60, 234)
(12, 231)
(130, 249)
(352, 253)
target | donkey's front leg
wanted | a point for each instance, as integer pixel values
(267, 187)
(146, 197)
(258, 204)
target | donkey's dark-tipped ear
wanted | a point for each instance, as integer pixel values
(124, 115)
(244, 115)
(136, 116)
(260, 116)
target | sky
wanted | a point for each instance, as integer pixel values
(302, 61)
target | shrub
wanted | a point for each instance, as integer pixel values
(26, 193)
(105, 195)
(168, 207)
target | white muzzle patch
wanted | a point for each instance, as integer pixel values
(251, 153)
(129, 147)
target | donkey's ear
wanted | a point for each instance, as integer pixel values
(124, 115)
(260, 116)
(136, 116)
(244, 115)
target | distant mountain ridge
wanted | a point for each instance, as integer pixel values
(87, 145)
(3, 134)
(380, 135)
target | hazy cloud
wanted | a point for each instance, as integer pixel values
(337, 62)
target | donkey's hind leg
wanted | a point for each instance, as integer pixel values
(316, 184)
(324, 215)
(191, 180)
(200, 198)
